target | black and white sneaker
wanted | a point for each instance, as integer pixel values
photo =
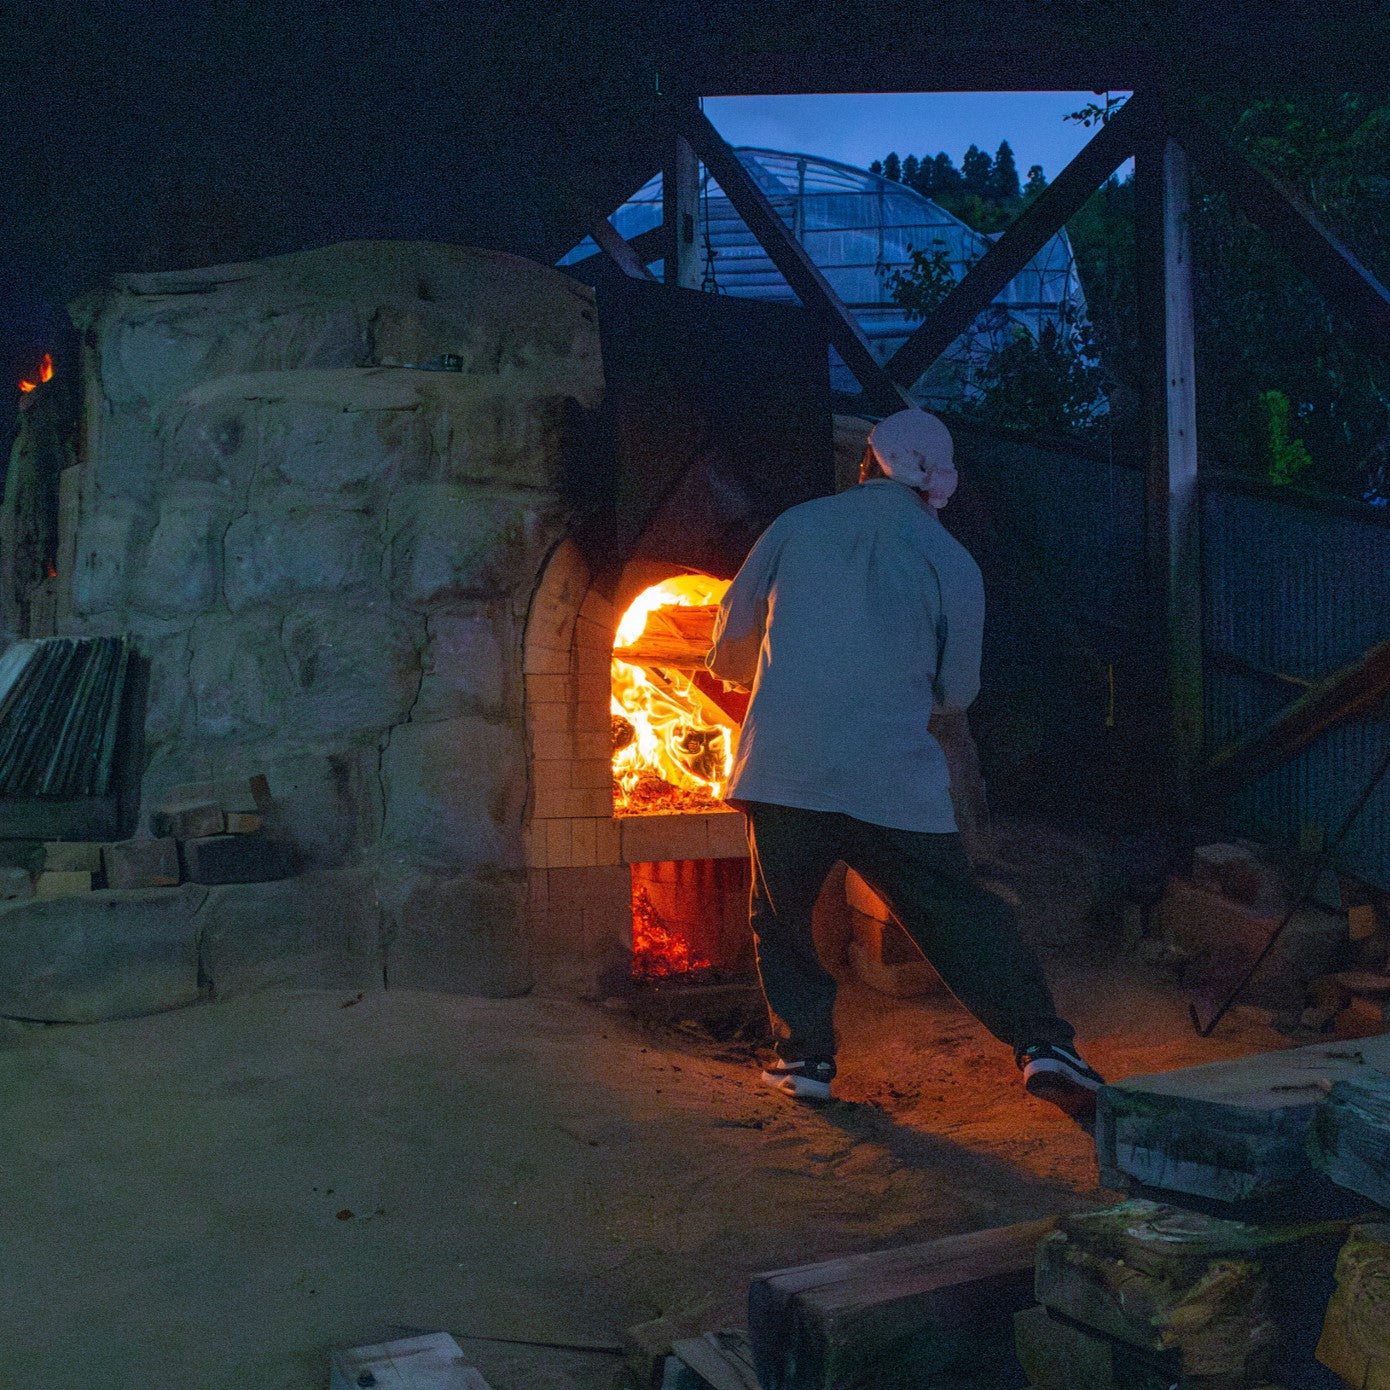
(808, 1078)
(1058, 1075)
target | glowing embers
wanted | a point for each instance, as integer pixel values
(45, 374)
(673, 729)
(657, 951)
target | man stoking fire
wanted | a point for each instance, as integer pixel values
(851, 619)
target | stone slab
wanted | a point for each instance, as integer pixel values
(15, 883)
(221, 859)
(72, 856)
(243, 823)
(142, 863)
(318, 930)
(1226, 1131)
(107, 954)
(192, 820)
(59, 883)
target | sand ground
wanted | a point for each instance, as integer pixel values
(215, 1197)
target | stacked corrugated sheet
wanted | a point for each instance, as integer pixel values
(60, 705)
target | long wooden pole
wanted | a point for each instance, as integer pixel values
(1034, 227)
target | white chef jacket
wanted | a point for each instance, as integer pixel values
(851, 618)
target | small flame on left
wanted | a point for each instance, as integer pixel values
(45, 374)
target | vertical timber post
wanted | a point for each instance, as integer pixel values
(1172, 519)
(680, 207)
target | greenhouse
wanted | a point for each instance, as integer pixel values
(861, 228)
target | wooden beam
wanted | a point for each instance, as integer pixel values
(1172, 544)
(1346, 284)
(619, 250)
(1356, 690)
(1030, 232)
(796, 267)
(680, 209)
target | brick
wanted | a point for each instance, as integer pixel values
(557, 843)
(62, 883)
(545, 688)
(243, 823)
(230, 793)
(549, 716)
(72, 856)
(189, 821)
(236, 859)
(142, 863)
(544, 661)
(552, 745)
(583, 842)
(728, 835)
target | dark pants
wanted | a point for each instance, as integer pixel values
(968, 934)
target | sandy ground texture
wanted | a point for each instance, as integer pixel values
(215, 1197)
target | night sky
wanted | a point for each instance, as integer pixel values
(857, 129)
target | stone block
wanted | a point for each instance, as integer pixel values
(108, 954)
(452, 543)
(320, 930)
(15, 883)
(1350, 1139)
(1226, 1131)
(243, 823)
(502, 435)
(236, 674)
(351, 666)
(462, 934)
(168, 697)
(328, 435)
(236, 859)
(68, 856)
(110, 535)
(464, 670)
(62, 883)
(1240, 873)
(210, 438)
(326, 802)
(1225, 936)
(142, 863)
(274, 557)
(191, 820)
(233, 794)
(454, 792)
(180, 570)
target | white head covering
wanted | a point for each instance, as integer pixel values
(915, 448)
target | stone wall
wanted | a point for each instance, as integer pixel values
(327, 554)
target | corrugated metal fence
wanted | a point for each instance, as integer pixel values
(1293, 589)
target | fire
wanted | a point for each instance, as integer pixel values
(673, 744)
(656, 949)
(45, 374)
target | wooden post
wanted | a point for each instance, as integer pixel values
(680, 209)
(1172, 548)
(618, 250)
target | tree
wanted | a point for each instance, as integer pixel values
(1045, 384)
(945, 177)
(911, 171)
(1037, 181)
(975, 170)
(924, 284)
(892, 168)
(876, 167)
(1003, 179)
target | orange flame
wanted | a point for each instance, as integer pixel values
(45, 374)
(679, 751)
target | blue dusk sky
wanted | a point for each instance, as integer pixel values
(857, 129)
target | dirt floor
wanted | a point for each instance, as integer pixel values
(215, 1197)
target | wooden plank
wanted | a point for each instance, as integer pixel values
(722, 1360)
(1350, 1140)
(680, 210)
(901, 1317)
(1037, 224)
(1347, 285)
(1172, 541)
(795, 265)
(1227, 1131)
(619, 250)
(1352, 692)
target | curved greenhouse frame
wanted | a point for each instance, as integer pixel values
(859, 228)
